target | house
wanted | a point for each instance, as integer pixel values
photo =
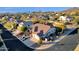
(42, 31)
(69, 19)
(28, 23)
(21, 28)
(11, 19)
(62, 18)
(65, 19)
(18, 21)
(38, 30)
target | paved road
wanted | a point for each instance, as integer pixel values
(13, 43)
(69, 43)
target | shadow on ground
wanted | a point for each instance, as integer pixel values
(12, 42)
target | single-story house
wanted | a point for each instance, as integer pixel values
(42, 30)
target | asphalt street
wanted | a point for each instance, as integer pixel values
(69, 43)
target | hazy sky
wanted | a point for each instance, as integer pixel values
(31, 9)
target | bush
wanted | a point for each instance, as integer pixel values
(22, 28)
(60, 25)
(10, 25)
(2, 21)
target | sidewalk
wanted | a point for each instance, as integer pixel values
(68, 43)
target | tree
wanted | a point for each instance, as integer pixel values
(22, 28)
(10, 25)
(3, 20)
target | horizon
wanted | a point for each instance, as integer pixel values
(31, 9)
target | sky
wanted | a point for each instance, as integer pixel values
(30, 9)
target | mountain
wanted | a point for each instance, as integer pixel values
(71, 11)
